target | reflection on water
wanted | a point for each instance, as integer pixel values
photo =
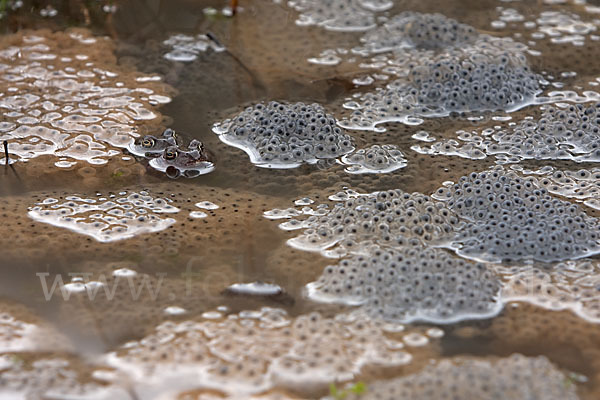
(119, 282)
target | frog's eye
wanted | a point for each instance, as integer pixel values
(170, 154)
(148, 142)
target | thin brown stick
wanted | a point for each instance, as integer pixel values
(253, 77)
(86, 14)
(234, 5)
(110, 26)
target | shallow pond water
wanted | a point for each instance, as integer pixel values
(402, 205)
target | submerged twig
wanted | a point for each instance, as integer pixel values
(213, 38)
(86, 14)
(110, 26)
(6, 159)
(253, 77)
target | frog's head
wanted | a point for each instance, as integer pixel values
(170, 134)
(187, 163)
(151, 146)
(199, 151)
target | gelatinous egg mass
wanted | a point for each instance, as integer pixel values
(107, 219)
(66, 96)
(281, 135)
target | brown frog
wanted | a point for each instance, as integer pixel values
(194, 161)
(151, 146)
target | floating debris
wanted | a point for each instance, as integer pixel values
(267, 291)
(7, 160)
(255, 289)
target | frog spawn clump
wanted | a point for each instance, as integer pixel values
(514, 377)
(430, 34)
(412, 39)
(421, 31)
(582, 185)
(26, 369)
(375, 159)
(450, 82)
(109, 218)
(493, 216)
(387, 232)
(254, 351)
(570, 285)
(563, 28)
(68, 98)
(22, 331)
(387, 218)
(54, 377)
(472, 149)
(442, 67)
(567, 132)
(515, 219)
(572, 133)
(16, 335)
(411, 284)
(279, 135)
(339, 15)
